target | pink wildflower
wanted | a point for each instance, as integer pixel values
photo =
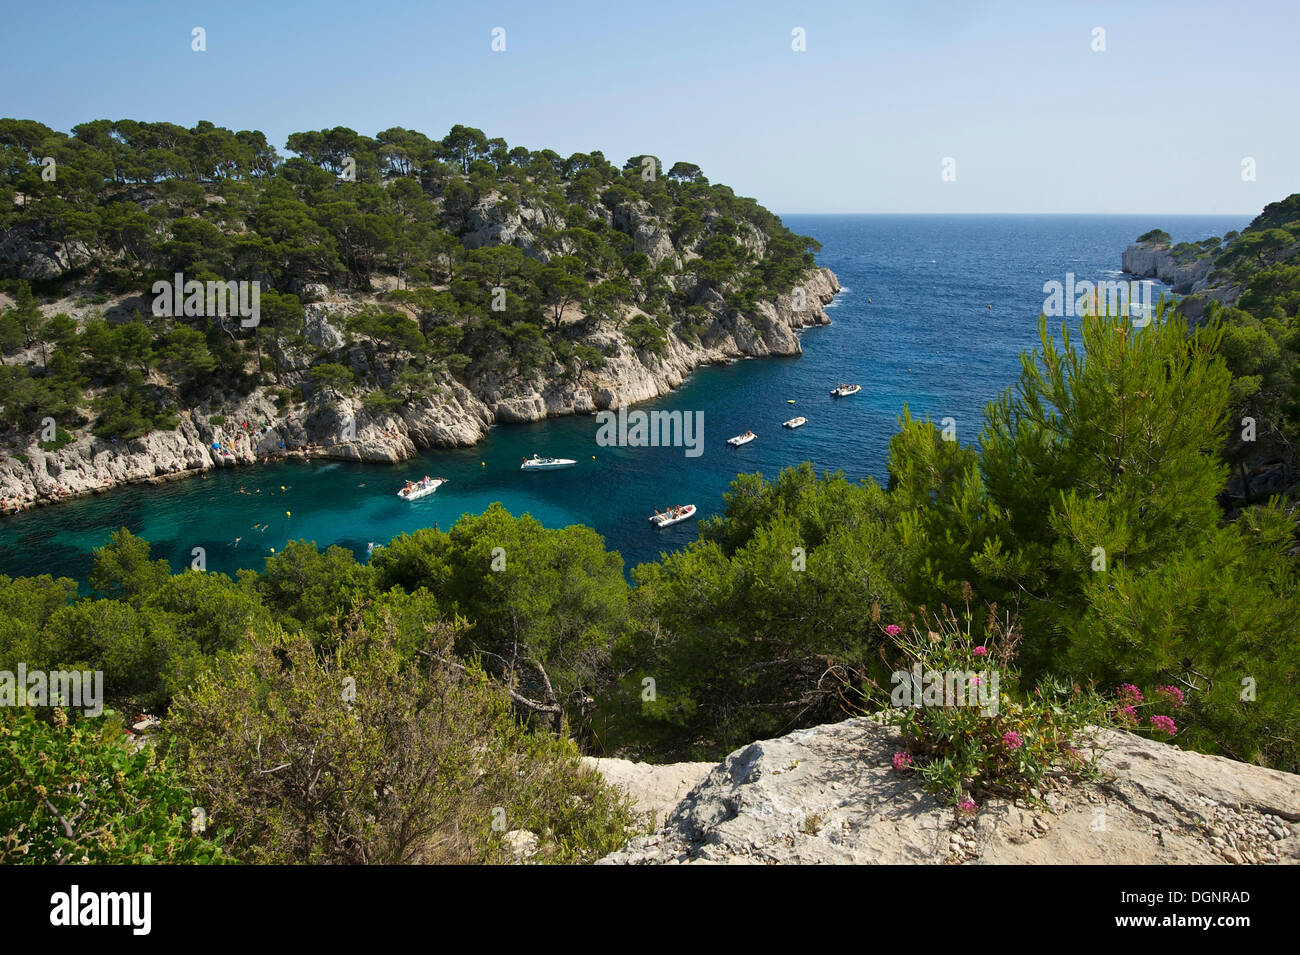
(1129, 694)
(1170, 694)
(967, 805)
(1012, 739)
(981, 651)
(893, 630)
(902, 761)
(1164, 724)
(1127, 715)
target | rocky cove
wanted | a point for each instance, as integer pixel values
(456, 413)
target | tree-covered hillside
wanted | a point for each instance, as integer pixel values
(468, 256)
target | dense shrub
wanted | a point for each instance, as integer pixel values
(73, 793)
(362, 756)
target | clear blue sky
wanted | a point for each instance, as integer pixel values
(860, 122)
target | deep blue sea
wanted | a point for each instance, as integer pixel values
(913, 326)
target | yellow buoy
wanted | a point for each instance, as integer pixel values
(281, 487)
(482, 464)
(272, 550)
(288, 513)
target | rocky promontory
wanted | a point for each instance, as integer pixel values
(829, 794)
(1157, 260)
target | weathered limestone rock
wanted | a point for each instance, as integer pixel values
(452, 414)
(322, 323)
(493, 221)
(655, 790)
(1153, 260)
(830, 795)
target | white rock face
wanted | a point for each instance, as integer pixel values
(648, 237)
(1150, 260)
(34, 258)
(490, 222)
(830, 795)
(91, 464)
(323, 323)
(631, 375)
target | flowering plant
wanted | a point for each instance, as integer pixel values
(963, 749)
(1159, 724)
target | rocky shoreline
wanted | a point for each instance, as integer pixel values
(252, 430)
(1156, 260)
(1185, 276)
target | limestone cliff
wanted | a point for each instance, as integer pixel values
(454, 414)
(1156, 260)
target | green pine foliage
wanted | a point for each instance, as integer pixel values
(1087, 514)
(133, 203)
(1254, 291)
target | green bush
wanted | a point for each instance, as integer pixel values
(61, 439)
(648, 336)
(361, 756)
(80, 793)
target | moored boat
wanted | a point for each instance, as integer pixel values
(843, 391)
(740, 439)
(672, 515)
(798, 422)
(415, 490)
(539, 463)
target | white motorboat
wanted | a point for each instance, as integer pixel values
(539, 463)
(740, 439)
(843, 391)
(415, 490)
(673, 515)
(798, 422)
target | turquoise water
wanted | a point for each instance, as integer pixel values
(926, 338)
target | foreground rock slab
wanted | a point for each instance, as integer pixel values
(656, 790)
(830, 795)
